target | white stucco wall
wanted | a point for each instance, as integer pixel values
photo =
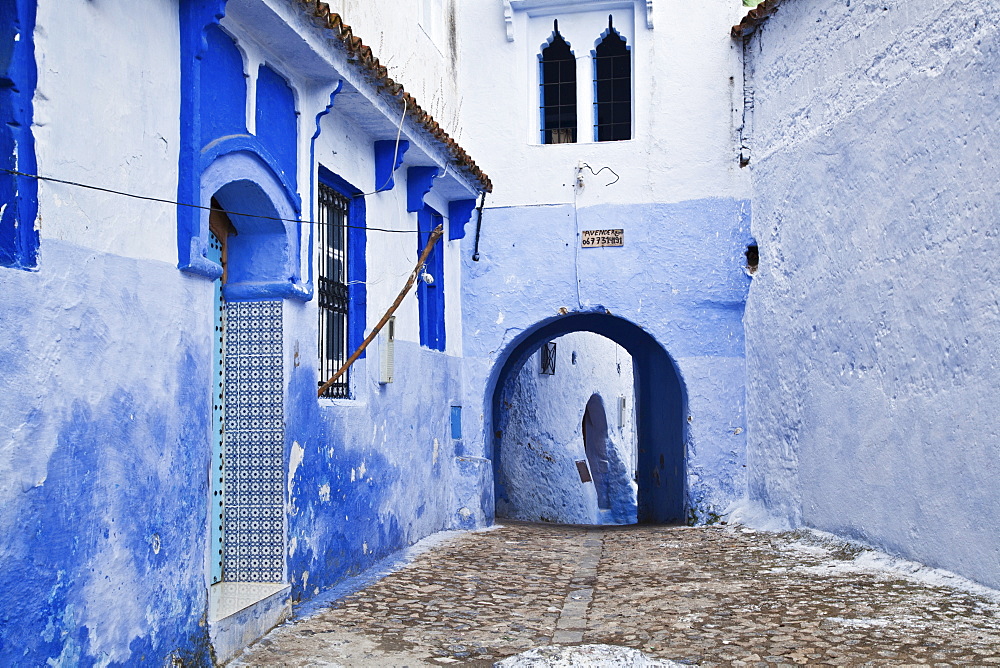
(872, 353)
(417, 46)
(108, 119)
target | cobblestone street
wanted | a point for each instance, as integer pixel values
(712, 596)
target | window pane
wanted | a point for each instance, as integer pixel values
(613, 88)
(332, 288)
(557, 91)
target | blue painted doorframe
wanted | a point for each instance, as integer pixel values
(661, 404)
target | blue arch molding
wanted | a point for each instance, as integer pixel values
(459, 213)
(18, 78)
(419, 181)
(245, 183)
(357, 257)
(213, 126)
(661, 402)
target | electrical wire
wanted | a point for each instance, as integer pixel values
(196, 206)
(395, 155)
(617, 178)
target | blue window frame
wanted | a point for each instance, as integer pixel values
(430, 288)
(18, 194)
(340, 276)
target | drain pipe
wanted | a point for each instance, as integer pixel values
(479, 224)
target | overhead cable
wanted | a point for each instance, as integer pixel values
(194, 206)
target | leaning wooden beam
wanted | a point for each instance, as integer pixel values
(435, 235)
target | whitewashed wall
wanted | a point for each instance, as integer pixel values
(871, 326)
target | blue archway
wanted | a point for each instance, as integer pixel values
(661, 403)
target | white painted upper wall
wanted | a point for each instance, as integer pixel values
(686, 79)
(416, 41)
(106, 114)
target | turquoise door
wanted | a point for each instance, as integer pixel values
(216, 504)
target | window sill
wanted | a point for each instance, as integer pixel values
(330, 402)
(587, 143)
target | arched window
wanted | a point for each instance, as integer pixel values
(557, 81)
(613, 87)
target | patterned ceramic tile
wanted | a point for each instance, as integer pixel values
(254, 438)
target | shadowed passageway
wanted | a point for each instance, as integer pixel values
(722, 595)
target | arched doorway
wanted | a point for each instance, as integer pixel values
(660, 407)
(595, 445)
(253, 238)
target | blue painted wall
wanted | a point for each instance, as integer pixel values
(18, 76)
(679, 278)
(871, 325)
(367, 476)
(104, 478)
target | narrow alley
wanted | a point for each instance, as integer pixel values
(711, 596)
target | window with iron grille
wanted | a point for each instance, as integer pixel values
(548, 359)
(557, 81)
(332, 287)
(613, 88)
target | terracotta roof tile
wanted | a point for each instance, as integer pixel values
(364, 57)
(755, 17)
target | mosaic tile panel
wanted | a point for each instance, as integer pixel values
(254, 442)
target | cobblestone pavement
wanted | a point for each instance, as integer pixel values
(713, 596)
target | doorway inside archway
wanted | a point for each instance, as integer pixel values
(588, 425)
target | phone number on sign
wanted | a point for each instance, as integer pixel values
(596, 238)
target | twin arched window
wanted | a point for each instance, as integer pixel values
(612, 75)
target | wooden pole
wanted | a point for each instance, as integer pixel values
(435, 235)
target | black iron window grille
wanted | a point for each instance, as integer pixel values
(613, 88)
(332, 288)
(548, 359)
(557, 81)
